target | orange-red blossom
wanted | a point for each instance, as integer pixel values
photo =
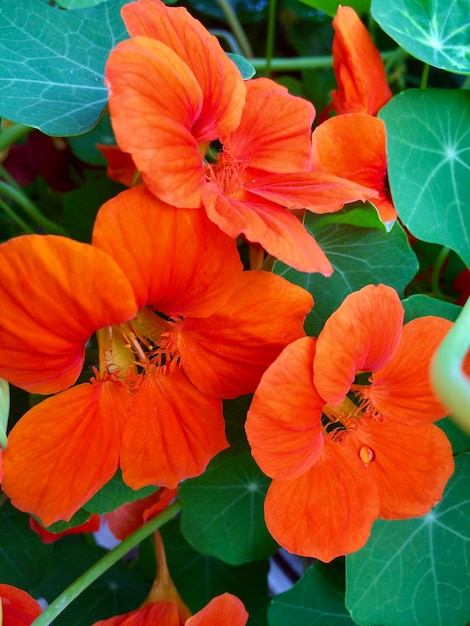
(343, 425)
(179, 326)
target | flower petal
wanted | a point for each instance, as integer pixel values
(274, 132)
(365, 165)
(226, 354)
(362, 335)
(156, 613)
(358, 67)
(283, 424)
(402, 391)
(411, 466)
(172, 433)
(64, 449)
(55, 294)
(275, 228)
(17, 608)
(177, 260)
(224, 609)
(155, 102)
(328, 511)
(223, 89)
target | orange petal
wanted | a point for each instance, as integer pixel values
(365, 163)
(225, 609)
(328, 511)
(275, 228)
(362, 335)
(64, 449)
(175, 259)
(226, 354)
(283, 424)
(223, 89)
(55, 294)
(402, 391)
(411, 466)
(172, 433)
(47, 536)
(359, 70)
(157, 613)
(315, 191)
(155, 103)
(17, 608)
(121, 167)
(274, 132)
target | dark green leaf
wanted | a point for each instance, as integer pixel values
(420, 305)
(223, 510)
(330, 6)
(52, 63)
(428, 146)
(84, 146)
(80, 517)
(114, 494)
(416, 571)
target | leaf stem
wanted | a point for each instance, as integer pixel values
(424, 76)
(17, 195)
(12, 134)
(449, 380)
(270, 35)
(304, 63)
(100, 567)
(436, 273)
(236, 27)
(15, 218)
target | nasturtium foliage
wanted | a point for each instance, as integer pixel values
(52, 63)
(416, 571)
(114, 494)
(316, 599)
(77, 4)
(224, 504)
(330, 6)
(419, 305)
(435, 32)
(246, 69)
(428, 146)
(361, 253)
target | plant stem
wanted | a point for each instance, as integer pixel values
(436, 273)
(113, 556)
(12, 134)
(236, 27)
(15, 218)
(270, 35)
(30, 208)
(448, 378)
(304, 63)
(424, 77)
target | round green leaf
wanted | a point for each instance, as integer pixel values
(244, 66)
(435, 32)
(428, 146)
(416, 571)
(223, 510)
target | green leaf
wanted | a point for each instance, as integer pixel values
(78, 518)
(435, 32)
(428, 146)
(24, 558)
(360, 255)
(77, 4)
(420, 305)
(330, 6)
(317, 599)
(200, 578)
(84, 146)
(223, 510)
(245, 67)
(416, 571)
(52, 63)
(114, 494)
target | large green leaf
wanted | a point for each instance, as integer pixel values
(361, 253)
(115, 493)
(330, 6)
(416, 571)
(435, 32)
(428, 146)
(317, 599)
(52, 63)
(223, 510)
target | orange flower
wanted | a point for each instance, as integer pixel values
(359, 71)
(179, 326)
(172, 90)
(337, 465)
(17, 608)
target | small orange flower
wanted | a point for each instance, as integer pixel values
(17, 608)
(337, 465)
(179, 326)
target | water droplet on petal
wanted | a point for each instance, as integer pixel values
(366, 454)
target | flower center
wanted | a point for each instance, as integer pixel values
(227, 174)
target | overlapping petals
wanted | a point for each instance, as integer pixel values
(17, 608)
(338, 465)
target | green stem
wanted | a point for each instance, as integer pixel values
(424, 77)
(304, 63)
(113, 556)
(15, 218)
(236, 27)
(270, 35)
(12, 134)
(448, 378)
(30, 208)
(436, 273)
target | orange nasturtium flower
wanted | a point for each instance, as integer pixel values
(179, 326)
(173, 91)
(338, 464)
(17, 608)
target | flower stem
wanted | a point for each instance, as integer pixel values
(270, 35)
(85, 580)
(12, 134)
(15, 218)
(449, 380)
(236, 27)
(304, 63)
(436, 273)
